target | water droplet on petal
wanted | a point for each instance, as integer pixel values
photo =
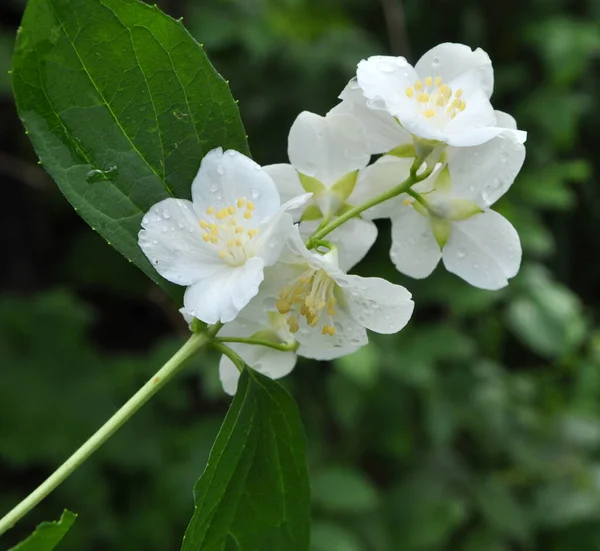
(220, 169)
(461, 253)
(166, 214)
(231, 152)
(401, 61)
(145, 220)
(213, 188)
(254, 193)
(435, 62)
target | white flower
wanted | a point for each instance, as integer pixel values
(329, 311)
(455, 224)
(326, 154)
(219, 243)
(443, 99)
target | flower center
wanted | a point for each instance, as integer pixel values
(434, 99)
(311, 295)
(231, 231)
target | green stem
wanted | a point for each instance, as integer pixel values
(419, 199)
(235, 358)
(288, 347)
(160, 379)
(390, 194)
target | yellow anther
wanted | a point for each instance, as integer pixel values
(214, 229)
(240, 203)
(222, 254)
(408, 201)
(331, 307)
(445, 90)
(203, 224)
(210, 210)
(206, 237)
(458, 93)
(423, 97)
(249, 205)
(214, 239)
(438, 81)
(230, 243)
(222, 214)
(328, 330)
(238, 242)
(418, 85)
(293, 324)
(247, 214)
(231, 209)
(462, 105)
(410, 92)
(252, 233)
(441, 101)
(283, 306)
(429, 113)
(428, 81)
(239, 229)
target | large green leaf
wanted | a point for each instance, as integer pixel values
(47, 535)
(121, 103)
(254, 494)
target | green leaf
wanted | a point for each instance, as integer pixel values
(47, 535)
(254, 493)
(121, 104)
(328, 536)
(344, 490)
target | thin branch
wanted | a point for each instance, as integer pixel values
(395, 20)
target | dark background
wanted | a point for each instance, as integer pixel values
(475, 429)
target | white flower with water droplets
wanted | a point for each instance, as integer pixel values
(443, 99)
(453, 221)
(326, 154)
(329, 311)
(219, 243)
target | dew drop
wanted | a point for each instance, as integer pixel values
(165, 229)
(231, 152)
(155, 242)
(220, 169)
(401, 61)
(145, 220)
(213, 188)
(254, 193)
(166, 214)
(461, 253)
(435, 62)
(180, 225)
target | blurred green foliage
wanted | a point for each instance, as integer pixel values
(475, 429)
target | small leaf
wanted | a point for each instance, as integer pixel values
(47, 535)
(344, 187)
(254, 492)
(310, 184)
(121, 104)
(344, 490)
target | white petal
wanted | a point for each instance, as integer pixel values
(221, 297)
(477, 123)
(229, 375)
(449, 60)
(483, 173)
(274, 231)
(504, 120)
(353, 239)
(327, 148)
(376, 303)
(386, 78)
(484, 250)
(383, 131)
(286, 179)
(224, 177)
(350, 335)
(171, 239)
(414, 251)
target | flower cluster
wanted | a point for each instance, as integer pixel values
(274, 276)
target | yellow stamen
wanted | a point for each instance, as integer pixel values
(418, 85)
(239, 229)
(438, 81)
(410, 92)
(428, 81)
(222, 214)
(210, 210)
(206, 237)
(458, 93)
(247, 214)
(238, 242)
(293, 324)
(249, 205)
(231, 209)
(283, 306)
(222, 254)
(203, 224)
(240, 203)
(429, 113)
(328, 330)
(408, 201)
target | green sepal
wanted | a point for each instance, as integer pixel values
(420, 208)
(405, 151)
(461, 209)
(441, 230)
(310, 184)
(443, 183)
(312, 212)
(344, 209)
(345, 185)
